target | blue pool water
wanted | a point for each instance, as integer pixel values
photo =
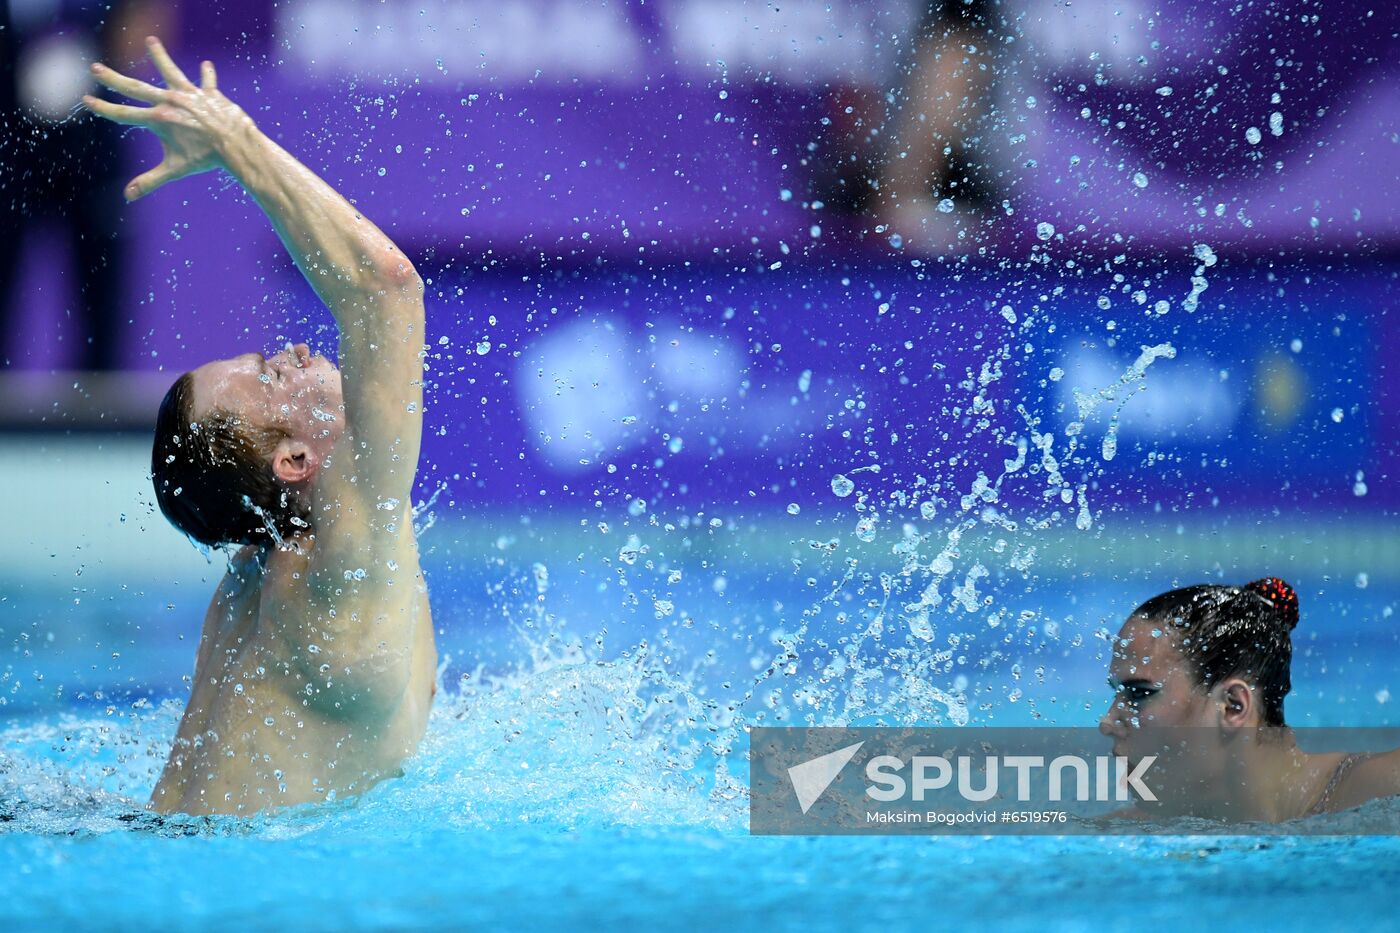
(575, 768)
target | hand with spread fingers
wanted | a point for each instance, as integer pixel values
(192, 122)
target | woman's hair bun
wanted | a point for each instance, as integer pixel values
(1280, 595)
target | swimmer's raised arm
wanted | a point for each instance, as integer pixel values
(344, 256)
(374, 292)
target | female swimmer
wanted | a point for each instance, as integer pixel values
(1199, 677)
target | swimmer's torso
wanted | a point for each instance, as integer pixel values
(277, 718)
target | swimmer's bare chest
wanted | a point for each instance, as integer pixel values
(255, 734)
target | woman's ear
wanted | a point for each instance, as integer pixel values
(1236, 699)
(294, 462)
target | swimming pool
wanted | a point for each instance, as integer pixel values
(573, 776)
(729, 426)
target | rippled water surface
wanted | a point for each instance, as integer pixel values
(555, 788)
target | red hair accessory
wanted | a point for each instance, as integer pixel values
(1280, 595)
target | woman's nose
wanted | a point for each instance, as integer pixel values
(1110, 723)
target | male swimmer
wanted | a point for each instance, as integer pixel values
(315, 669)
(1199, 676)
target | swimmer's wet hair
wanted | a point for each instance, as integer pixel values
(203, 472)
(1234, 631)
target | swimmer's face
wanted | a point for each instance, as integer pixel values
(1152, 683)
(293, 391)
(1160, 708)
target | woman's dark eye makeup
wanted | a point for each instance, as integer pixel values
(1136, 691)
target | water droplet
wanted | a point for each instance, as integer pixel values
(1296, 346)
(1140, 179)
(1276, 123)
(946, 205)
(1253, 135)
(1110, 445)
(1044, 230)
(793, 508)
(1337, 415)
(483, 348)
(896, 241)
(842, 485)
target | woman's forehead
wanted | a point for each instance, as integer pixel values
(1144, 645)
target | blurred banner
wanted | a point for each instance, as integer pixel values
(769, 386)
(731, 132)
(675, 127)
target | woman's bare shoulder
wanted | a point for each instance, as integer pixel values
(1376, 775)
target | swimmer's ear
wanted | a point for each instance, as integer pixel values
(294, 462)
(1236, 700)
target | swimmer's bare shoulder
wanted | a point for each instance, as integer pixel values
(1373, 777)
(351, 650)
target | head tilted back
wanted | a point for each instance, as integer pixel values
(213, 477)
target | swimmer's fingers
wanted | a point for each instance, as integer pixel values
(171, 72)
(127, 87)
(146, 182)
(119, 113)
(208, 80)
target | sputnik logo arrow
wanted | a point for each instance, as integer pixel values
(811, 778)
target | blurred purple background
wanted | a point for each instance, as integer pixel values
(612, 172)
(695, 130)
